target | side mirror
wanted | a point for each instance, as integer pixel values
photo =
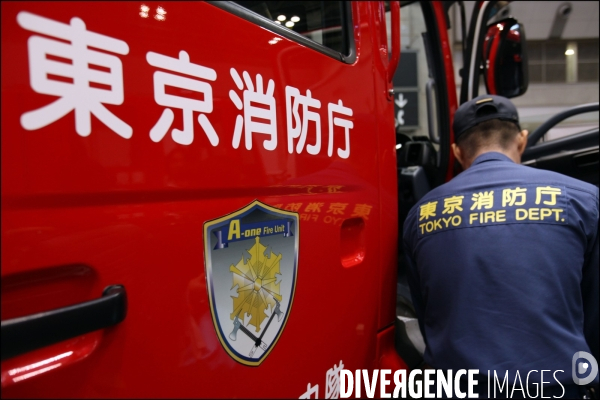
(505, 59)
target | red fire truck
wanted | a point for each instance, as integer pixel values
(203, 199)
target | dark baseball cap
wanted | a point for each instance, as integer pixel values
(483, 108)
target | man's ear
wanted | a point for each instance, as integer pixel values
(458, 154)
(522, 141)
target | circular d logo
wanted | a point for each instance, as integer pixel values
(581, 367)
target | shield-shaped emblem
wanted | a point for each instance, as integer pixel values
(251, 259)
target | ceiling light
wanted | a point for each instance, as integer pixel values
(570, 52)
(277, 22)
(295, 19)
(289, 24)
(281, 18)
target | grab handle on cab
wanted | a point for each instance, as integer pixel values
(24, 334)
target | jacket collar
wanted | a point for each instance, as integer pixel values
(491, 156)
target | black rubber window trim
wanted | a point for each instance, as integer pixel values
(347, 29)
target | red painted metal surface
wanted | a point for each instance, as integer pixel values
(490, 51)
(80, 213)
(388, 184)
(26, 368)
(388, 360)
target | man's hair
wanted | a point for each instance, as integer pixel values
(493, 132)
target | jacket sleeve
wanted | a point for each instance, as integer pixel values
(412, 275)
(589, 289)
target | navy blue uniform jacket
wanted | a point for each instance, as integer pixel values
(503, 270)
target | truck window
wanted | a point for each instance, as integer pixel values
(414, 77)
(420, 96)
(325, 26)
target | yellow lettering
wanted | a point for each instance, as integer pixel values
(252, 232)
(545, 212)
(520, 214)
(429, 226)
(234, 229)
(557, 211)
(437, 224)
(472, 217)
(447, 221)
(501, 216)
(534, 214)
(489, 215)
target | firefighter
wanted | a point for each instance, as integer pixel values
(503, 263)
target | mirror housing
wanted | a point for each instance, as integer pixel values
(505, 58)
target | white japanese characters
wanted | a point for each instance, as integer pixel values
(332, 387)
(258, 104)
(86, 79)
(79, 95)
(310, 392)
(344, 123)
(332, 384)
(298, 128)
(187, 105)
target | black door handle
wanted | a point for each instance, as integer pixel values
(23, 334)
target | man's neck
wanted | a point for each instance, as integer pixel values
(512, 153)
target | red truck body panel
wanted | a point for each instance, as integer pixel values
(80, 212)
